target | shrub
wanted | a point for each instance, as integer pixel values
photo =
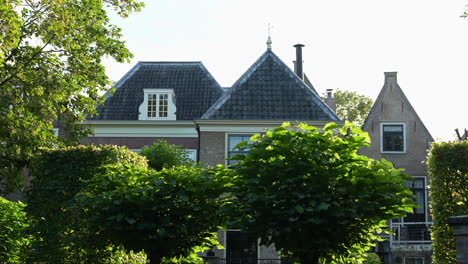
(13, 221)
(448, 175)
(164, 155)
(58, 174)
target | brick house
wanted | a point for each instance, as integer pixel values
(182, 103)
(399, 136)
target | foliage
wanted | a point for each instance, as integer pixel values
(372, 258)
(165, 213)
(50, 69)
(448, 175)
(58, 174)
(299, 183)
(164, 155)
(352, 106)
(122, 257)
(13, 221)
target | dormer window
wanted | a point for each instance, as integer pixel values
(393, 137)
(158, 105)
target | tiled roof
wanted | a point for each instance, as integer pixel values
(269, 90)
(194, 87)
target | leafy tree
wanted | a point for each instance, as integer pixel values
(50, 69)
(352, 106)
(60, 235)
(448, 175)
(168, 214)
(13, 221)
(164, 155)
(313, 196)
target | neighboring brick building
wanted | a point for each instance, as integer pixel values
(399, 136)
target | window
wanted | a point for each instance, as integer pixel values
(393, 138)
(233, 140)
(418, 187)
(240, 247)
(409, 260)
(191, 154)
(157, 105)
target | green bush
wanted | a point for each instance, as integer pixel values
(164, 155)
(448, 175)
(372, 258)
(166, 213)
(61, 235)
(13, 221)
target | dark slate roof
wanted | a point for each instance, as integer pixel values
(194, 87)
(269, 90)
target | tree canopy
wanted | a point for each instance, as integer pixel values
(352, 106)
(310, 193)
(50, 69)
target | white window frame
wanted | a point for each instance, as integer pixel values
(171, 108)
(226, 149)
(56, 131)
(382, 135)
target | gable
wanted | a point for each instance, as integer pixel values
(269, 90)
(393, 105)
(396, 131)
(194, 88)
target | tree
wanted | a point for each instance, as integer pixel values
(167, 214)
(352, 106)
(164, 155)
(50, 69)
(313, 196)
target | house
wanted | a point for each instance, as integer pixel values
(182, 103)
(399, 136)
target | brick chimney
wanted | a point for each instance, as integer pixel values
(330, 100)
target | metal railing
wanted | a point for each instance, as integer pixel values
(252, 261)
(411, 233)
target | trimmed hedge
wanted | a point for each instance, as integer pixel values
(58, 174)
(448, 175)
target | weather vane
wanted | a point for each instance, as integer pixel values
(269, 38)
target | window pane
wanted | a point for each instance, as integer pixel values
(392, 138)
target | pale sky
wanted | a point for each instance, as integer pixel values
(348, 45)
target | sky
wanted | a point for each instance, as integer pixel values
(348, 45)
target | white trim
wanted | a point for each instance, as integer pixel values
(144, 129)
(171, 108)
(382, 124)
(249, 126)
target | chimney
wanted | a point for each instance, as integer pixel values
(330, 100)
(298, 65)
(390, 76)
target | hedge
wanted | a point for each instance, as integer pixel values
(58, 174)
(448, 175)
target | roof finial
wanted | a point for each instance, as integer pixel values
(269, 38)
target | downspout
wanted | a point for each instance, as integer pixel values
(197, 127)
